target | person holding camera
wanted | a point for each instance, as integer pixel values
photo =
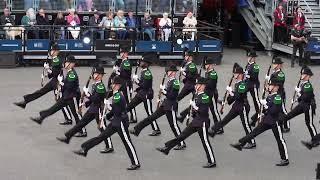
(298, 39)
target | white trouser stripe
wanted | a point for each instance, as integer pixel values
(76, 106)
(282, 141)
(205, 138)
(66, 111)
(109, 142)
(129, 97)
(133, 152)
(215, 109)
(174, 119)
(149, 114)
(255, 89)
(314, 131)
(246, 122)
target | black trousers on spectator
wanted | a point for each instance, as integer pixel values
(300, 109)
(171, 116)
(109, 131)
(280, 34)
(86, 119)
(203, 134)
(297, 46)
(50, 86)
(262, 127)
(147, 106)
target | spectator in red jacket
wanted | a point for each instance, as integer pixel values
(299, 18)
(280, 25)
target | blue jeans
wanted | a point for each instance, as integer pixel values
(121, 34)
(62, 33)
(150, 32)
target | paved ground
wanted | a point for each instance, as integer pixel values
(30, 152)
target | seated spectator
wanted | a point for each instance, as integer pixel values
(73, 22)
(131, 25)
(165, 25)
(9, 32)
(120, 25)
(6, 17)
(299, 18)
(29, 21)
(60, 22)
(107, 24)
(280, 26)
(189, 29)
(94, 22)
(147, 26)
(43, 20)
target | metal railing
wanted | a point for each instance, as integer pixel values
(305, 12)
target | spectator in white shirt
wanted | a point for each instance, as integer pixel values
(165, 25)
(189, 29)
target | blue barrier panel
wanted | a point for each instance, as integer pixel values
(78, 45)
(153, 46)
(37, 45)
(63, 45)
(313, 46)
(191, 45)
(11, 45)
(210, 46)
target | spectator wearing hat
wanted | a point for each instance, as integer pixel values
(189, 26)
(95, 97)
(145, 91)
(298, 40)
(306, 102)
(251, 77)
(240, 105)
(279, 74)
(165, 24)
(270, 120)
(168, 107)
(94, 22)
(200, 124)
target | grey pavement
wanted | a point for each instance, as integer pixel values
(31, 152)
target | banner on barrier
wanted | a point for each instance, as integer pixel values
(63, 45)
(191, 45)
(37, 45)
(313, 46)
(153, 46)
(110, 45)
(78, 45)
(209, 46)
(11, 45)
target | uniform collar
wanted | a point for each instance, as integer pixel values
(237, 81)
(97, 82)
(70, 69)
(116, 92)
(144, 69)
(210, 70)
(250, 63)
(171, 78)
(188, 62)
(199, 93)
(274, 93)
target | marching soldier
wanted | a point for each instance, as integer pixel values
(53, 68)
(240, 107)
(95, 100)
(279, 74)
(252, 80)
(119, 124)
(145, 92)
(315, 141)
(306, 101)
(272, 108)
(200, 124)
(70, 94)
(212, 91)
(168, 107)
(124, 72)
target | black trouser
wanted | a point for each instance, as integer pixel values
(86, 119)
(316, 139)
(284, 124)
(297, 46)
(203, 134)
(280, 34)
(300, 109)
(44, 90)
(147, 106)
(109, 131)
(186, 90)
(127, 92)
(233, 113)
(254, 91)
(262, 127)
(171, 116)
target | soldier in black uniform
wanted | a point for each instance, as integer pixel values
(124, 72)
(190, 73)
(212, 91)
(119, 124)
(270, 120)
(306, 101)
(144, 91)
(168, 107)
(240, 107)
(53, 68)
(279, 74)
(95, 102)
(252, 79)
(200, 124)
(70, 93)
(315, 141)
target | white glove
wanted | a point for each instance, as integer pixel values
(115, 68)
(182, 69)
(298, 90)
(193, 104)
(246, 72)
(247, 76)
(49, 71)
(229, 89)
(86, 91)
(264, 103)
(162, 88)
(46, 65)
(117, 72)
(135, 78)
(267, 77)
(60, 79)
(108, 104)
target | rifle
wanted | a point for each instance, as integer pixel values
(295, 92)
(263, 94)
(226, 92)
(44, 71)
(83, 94)
(58, 90)
(104, 112)
(160, 92)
